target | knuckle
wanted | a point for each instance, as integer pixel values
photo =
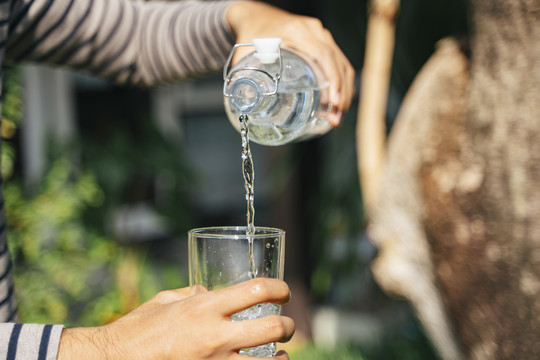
(305, 23)
(265, 290)
(284, 292)
(294, 25)
(276, 327)
(260, 288)
(328, 35)
(164, 296)
(315, 22)
(325, 52)
(351, 74)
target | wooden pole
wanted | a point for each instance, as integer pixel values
(370, 128)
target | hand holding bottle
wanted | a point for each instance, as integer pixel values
(301, 34)
(281, 97)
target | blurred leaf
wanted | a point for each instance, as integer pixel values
(311, 352)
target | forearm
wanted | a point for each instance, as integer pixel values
(182, 39)
(92, 343)
(120, 340)
(125, 41)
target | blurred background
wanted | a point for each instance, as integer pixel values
(102, 184)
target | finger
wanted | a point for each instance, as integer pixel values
(346, 94)
(241, 296)
(335, 66)
(326, 59)
(349, 87)
(335, 115)
(255, 332)
(280, 355)
(342, 85)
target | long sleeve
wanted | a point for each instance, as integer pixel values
(29, 341)
(129, 42)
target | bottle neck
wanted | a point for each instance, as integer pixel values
(245, 95)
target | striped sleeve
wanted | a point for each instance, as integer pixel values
(126, 41)
(29, 341)
(8, 303)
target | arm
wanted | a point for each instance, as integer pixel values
(188, 323)
(125, 41)
(154, 42)
(307, 35)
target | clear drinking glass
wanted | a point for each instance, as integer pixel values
(220, 257)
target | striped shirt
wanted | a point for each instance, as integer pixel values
(127, 42)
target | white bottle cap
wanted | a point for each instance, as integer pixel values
(267, 49)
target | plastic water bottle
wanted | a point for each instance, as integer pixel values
(284, 98)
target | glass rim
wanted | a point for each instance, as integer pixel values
(210, 232)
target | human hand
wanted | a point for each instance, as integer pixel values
(189, 323)
(250, 19)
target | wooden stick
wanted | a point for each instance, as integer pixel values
(370, 127)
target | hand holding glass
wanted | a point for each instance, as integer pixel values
(220, 257)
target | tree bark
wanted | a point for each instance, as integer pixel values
(404, 265)
(484, 230)
(457, 220)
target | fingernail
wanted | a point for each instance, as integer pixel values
(335, 119)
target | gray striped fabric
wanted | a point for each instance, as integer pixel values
(128, 42)
(29, 341)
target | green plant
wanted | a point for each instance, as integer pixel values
(67, 269)
(409, 347)
(59, 263)
(312, 352)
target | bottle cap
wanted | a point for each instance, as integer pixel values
(267, 49)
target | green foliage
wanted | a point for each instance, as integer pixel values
(66, 269)
(11, 115)
(156, 276)
(11, 101)
(312, 352)
(409, 347)
(58, 261)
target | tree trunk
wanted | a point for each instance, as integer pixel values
(458, 217)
